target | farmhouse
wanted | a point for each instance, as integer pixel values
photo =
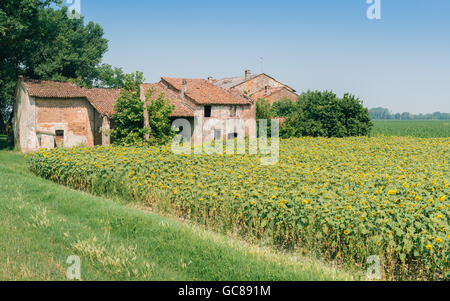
(50, 114)
(212, 112)
(257, 86)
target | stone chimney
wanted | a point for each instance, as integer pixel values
(248, 73)
(210, 79)
(183, 88)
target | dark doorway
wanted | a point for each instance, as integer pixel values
(207, 111)
(232, 136)
(59, 138)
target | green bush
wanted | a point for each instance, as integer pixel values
(159, 110)
(283, 108)
(129, 108)
(129, 117)
(323, 114)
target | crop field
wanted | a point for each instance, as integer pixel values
(414, 128)
(43, 223)
(342, 199)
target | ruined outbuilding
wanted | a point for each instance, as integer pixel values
(50, 114)
(212, 112)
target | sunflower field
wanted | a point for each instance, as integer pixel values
(341, 199)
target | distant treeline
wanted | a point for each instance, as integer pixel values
(385, 114)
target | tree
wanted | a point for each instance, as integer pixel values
(263, 113)
(283, 108)
(324, 114)
(41, 42)
(385, 114)
(109, 77)
(130, 113)
(262, 109)
(380, 113)
(356, 119)
(159, 109)
(129, 108)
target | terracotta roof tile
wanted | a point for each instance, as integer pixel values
(198, 90)
(181, 109)
(204, 93)
(101, 99)
(52, 89)
(262, 93)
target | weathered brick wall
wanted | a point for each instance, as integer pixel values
(221, 118)
(25, 121)
(258, 83)
(283, 93)
(74, 116)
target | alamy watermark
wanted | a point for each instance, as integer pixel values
(73, 8)
(374, 269)
(74, 270)
(374, 10)
(215, 136)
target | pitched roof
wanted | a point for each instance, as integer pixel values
(101, 99)
(232, 82)
(204, 93)
(262, 93)
(181, 109)
(52, 89)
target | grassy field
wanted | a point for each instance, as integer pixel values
(341, 199)
(415, 128)
(42, 224)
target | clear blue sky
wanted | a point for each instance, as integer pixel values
(401, 62)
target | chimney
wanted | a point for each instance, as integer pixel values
(183, 88)
(248, 73)
(210, 79)
(267, 90)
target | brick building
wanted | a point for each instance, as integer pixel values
(50, 114)
(212, 112)
(257, 86)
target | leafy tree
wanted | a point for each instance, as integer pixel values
(109, 77)
(262, 109)
(130, 109)
(283, 108)
(41, 42)
(385, 114)
(263, 112)
(356, 118)
(129, 117)
(324, 114)
(159, 109)
(380, 113)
